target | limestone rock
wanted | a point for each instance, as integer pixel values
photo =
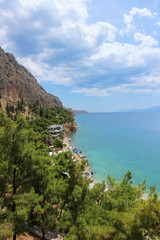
(17, 84)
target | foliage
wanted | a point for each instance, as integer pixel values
(49, 117)
(51, 192)
(12, 109)
(20, 106)
(58, 143)
(5, 230)
(18, 170)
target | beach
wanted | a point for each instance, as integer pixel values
(77, 154)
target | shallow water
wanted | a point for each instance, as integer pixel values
(117, 142)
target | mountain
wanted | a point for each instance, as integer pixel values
(80, 111)
(17, 84)
(152, 109)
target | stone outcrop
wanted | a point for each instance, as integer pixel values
(70, 127)
(17, 84)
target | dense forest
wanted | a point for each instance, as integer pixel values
(51, 193)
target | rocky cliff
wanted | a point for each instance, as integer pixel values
(17, 83)
(70, 127)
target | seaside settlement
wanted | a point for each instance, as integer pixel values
(56, 130)
(48, 196)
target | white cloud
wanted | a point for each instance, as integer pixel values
(45, 55)
(123, 55)
(139, 84)
(81, 36)
(151, 80)
(4, 42)
(145, 40)
(100, 30)
(129, 19)
(54, 30)
(99, 92)
(70, 9)
(35, 68)
(92, 92)
(58, 44)
(144, 91)
(144, 12)
(50, 21)
(43, 72)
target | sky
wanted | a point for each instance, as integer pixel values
(95, 55)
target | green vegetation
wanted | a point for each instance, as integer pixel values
(58, 143)
(40, 118)
(13, 109)
(30, 183)
(50, 117)
(51, 192)
(47, 117)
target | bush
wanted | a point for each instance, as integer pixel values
(58, 143)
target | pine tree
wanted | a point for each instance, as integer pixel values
(7, 109)
(18, 161)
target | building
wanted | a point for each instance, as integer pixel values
(55, 130)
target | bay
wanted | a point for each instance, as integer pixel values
(117, 142)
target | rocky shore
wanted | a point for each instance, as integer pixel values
(70, 127)
(78, 156)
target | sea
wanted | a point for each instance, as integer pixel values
(114, 143)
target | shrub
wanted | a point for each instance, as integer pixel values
(58, 143)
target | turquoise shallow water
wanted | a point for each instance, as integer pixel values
(117, 142)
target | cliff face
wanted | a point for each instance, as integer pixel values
(17, 83)
(70, 127)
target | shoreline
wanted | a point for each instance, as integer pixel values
(79, 159)
(78, 156)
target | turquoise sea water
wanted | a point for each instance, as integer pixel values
(117, 142)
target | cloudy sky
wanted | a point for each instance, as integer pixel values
(97, 55)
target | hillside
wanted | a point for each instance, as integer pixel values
(17, 84)
(80, 111)
(152, 109)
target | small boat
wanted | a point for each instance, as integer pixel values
(82, 156)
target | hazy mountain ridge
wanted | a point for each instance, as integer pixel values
(80, 111)
(17, 84)
(151, 109)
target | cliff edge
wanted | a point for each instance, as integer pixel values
(17, 84)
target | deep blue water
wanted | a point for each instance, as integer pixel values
(117, 142)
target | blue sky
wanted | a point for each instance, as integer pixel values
(94, 55)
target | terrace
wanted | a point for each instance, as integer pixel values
(55, 130)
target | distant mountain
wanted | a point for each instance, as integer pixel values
(17, 84)
(80, 111)
(152, 109)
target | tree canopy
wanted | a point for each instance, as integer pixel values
(51, 193)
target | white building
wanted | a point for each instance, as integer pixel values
(55, 130)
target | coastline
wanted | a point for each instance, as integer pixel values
(79, 159)
(78, 156)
